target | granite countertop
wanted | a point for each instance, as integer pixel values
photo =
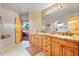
(74, 38)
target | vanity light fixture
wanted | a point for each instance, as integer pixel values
(53, 10)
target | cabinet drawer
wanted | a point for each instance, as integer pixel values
(47, 41)
(58, 40)
(46, 38)
(65, 42)
(71, 44)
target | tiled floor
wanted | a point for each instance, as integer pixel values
(25, 44)
(19, 50)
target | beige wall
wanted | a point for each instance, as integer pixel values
(34, 21)
(0, 28)
(24, 16)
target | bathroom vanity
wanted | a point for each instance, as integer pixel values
(55, 45)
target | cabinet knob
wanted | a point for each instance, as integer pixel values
(46, 50)
(61, 45)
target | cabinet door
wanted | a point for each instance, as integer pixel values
(57, 49)
(31, 38)
(69, 51)
(36, 40)
(47, 45)
(40, 42)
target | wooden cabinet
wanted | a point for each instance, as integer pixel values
(40, 41)
(69, 51)
(70, 48)
(62, 50)
(57, 49)
(55, 46)
(47, 45)
(32, 38)
(36, 40)
(64, 47)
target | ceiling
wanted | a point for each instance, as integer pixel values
(25, 7)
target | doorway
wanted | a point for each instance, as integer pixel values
(25, 33)
(25, 30)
